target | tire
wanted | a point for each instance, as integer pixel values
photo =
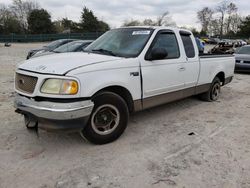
(214, 92)
(111, 113)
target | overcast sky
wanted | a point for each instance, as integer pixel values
(114, 12)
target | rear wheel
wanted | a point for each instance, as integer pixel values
(214, 92)
(108, 119)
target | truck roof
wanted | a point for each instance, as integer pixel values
(158, 28)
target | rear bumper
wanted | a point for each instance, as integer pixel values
(55, 115)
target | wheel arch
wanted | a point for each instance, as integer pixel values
(122, 92)
(221, 76)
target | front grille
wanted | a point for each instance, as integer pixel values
(237, 61)
(25, 83)
(247, 62)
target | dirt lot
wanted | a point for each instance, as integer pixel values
(156, 150)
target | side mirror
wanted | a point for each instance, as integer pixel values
(158, 54)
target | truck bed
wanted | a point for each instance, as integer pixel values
(212, 64)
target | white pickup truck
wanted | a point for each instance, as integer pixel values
(124, 71)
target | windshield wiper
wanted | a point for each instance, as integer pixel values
(54, 51)
(104, 51)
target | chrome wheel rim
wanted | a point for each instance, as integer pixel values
(105, 119)
(216, 91)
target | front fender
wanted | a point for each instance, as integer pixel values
(92, 82)
(95, 77)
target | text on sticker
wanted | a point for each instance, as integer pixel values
(146, 32)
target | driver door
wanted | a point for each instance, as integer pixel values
(163, 79)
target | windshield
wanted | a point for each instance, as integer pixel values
(244, 50)
(53, 44)
(124, 42)
(69, 47)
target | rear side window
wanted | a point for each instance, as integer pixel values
(169, 42)
(188, 45)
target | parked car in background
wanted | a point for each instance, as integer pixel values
(75, 46)
(242, 42)
(51, 46)
(242, 59)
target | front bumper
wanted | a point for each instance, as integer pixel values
(55, 115)
(242, 67)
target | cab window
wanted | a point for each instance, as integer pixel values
(169, 42)
(188, 45)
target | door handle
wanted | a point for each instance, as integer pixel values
(182, 69)
(134, 74)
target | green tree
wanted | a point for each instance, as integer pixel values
(89, 22)
(11, 25)
(66, 23)
(66, 26)
(205, 16)
(103, 26)
(70, 25)
(162, 20)
(39, 22)
(148, 22)
(165, 20)
(131, 22)
(245, 28)
(58, 28)
(8, 21)
(195, 32)
(203, 33)
(21, 9)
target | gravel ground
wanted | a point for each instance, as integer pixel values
(189, 143)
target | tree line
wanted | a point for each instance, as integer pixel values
(27, 17)
(163, 20)
(223, 21)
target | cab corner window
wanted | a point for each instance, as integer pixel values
(188, 45)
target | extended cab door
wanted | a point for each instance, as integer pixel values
(192, 65)
(162, 80)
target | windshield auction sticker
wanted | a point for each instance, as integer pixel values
(145, 32)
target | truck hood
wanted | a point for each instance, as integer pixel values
(60, 64)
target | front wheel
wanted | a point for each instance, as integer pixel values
(214, 92)
(108, 120)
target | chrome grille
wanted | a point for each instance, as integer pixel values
(25, 83)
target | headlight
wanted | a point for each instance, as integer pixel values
(60, 87)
